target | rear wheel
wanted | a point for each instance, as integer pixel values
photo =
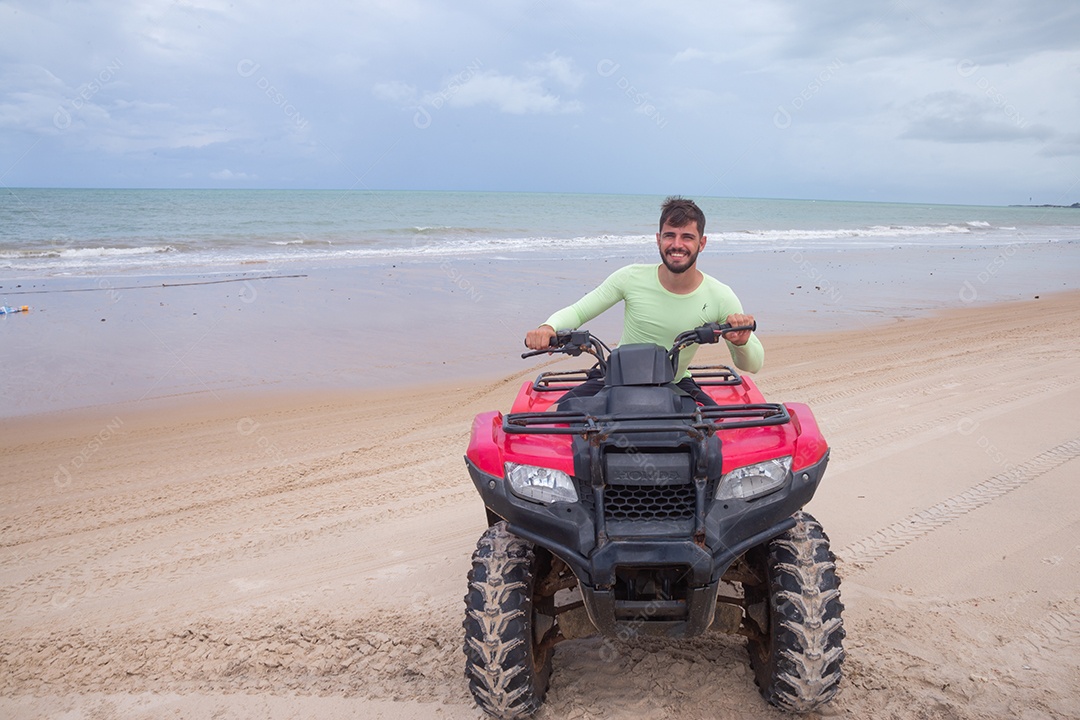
(793, 618)
(507, 652)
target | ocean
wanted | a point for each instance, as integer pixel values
(95, 233)
(141, 294)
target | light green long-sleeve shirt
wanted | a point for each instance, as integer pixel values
(656, 315)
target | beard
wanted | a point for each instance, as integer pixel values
(683, 264)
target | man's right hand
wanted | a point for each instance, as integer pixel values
(540, 338)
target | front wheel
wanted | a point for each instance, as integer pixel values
(507, 658)
(793, 618)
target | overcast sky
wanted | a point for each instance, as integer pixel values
(910, 101)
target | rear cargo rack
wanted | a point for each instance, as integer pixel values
(715, 375)
(710, 375)
(706, 420)
(559, 380)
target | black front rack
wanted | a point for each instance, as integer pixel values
(597, 430)
(703, 421)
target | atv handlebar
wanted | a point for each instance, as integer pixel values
(573, 343)
(576, 342)
(706, 334)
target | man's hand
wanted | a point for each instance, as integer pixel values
(540, 338)
(738, 320)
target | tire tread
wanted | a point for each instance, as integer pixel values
(498, 626)
(800, 669)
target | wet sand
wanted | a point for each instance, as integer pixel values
(103, 340)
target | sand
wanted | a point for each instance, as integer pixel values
(267, 554)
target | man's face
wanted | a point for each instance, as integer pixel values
(679, 246)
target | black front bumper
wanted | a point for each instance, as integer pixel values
(568, 531)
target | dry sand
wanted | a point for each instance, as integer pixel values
(305, 556)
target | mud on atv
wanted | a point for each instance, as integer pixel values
(638, 511)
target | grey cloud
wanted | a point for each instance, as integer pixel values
(955, 117)
(993, 31)
(1064, 146)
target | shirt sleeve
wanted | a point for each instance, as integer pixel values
(603, 297)
(749, 357)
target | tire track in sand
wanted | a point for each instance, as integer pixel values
(860, 555)
(375, 657)
(215, 491)
(853, 449)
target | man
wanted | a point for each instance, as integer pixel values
(663, 300)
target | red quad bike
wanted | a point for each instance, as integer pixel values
(638, 511)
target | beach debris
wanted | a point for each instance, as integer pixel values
(8, 310)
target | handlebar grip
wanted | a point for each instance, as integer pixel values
(721, 329)
(557, 341)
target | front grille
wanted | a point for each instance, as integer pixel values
(649, 502)
(648, 486)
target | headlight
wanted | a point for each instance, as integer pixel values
(752, 481)
(540, 484)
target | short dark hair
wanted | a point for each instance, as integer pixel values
(679, 211)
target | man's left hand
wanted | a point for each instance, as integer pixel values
(738, 320)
